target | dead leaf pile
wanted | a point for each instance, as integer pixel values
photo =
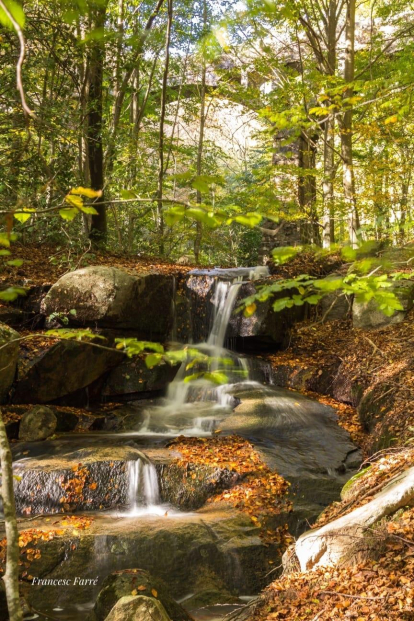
(379, 589)
(261, 493)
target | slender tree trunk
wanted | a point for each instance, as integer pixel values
(11, 577)
(200, 148)
(347, 128)
(329, 142)
(161, 167)
(307, 191)
(95, 121)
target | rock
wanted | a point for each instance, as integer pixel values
(132, 378)
(63, 369)
(12, 316)
(329, 544)
(122, 583)
(9, 353)
(296, 436)
(264, 329)
(109, 297)
(335, 306)
(37, 424)
(189, 487)
(176, 548)
(89, 479)
(367, 316)
(376, 402)
(138, 608)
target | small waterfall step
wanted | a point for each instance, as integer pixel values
(92, 479)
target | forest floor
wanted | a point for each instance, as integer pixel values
(376, 582)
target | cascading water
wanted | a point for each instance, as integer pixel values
(196, 407)
(143, 486)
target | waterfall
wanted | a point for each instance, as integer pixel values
(224, 301)
(196, 407)
(143, 485)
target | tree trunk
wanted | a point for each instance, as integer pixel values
(307, 191)
(161, 168)
(11, 577)
(199, 225)
(98, 229)
(329, 142)
(347, 128)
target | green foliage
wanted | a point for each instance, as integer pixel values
(75, 334)
(15, 11)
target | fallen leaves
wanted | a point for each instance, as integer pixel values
(261, 493)
(376, 589)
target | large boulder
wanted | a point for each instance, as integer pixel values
(264, 329)
(109, 297)
(64, 369)
(138, 608)
(330, 543)
(37, 424)
(9, 353)
(132, 378)
(87, 479)
(136, 581)
(368, 316)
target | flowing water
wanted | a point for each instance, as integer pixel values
(296, 436)
(197, 406)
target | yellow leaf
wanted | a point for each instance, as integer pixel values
(154, 592)
(86, 192)
(249, 310)
(391, 119)
(75, 201)
(134, 592)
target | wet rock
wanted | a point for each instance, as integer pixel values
(122, 583)
(132, 378)
(189, 486)
(64, 369)
(109, 297)
(88, 479)
(209, 590)
(37, 424)
(176, 548)
(367, 315)
(296, 436)
(9, 352)
(138, 608)
(264, 329)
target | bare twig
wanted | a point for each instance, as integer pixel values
(20, 61)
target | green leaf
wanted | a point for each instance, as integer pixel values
(22, 217)
(153, 360)
(77, 335)
(11, 293)
(285, 253)
(5, 253)
(15, 262)
(68, 213)
(88, 209)
(16, 12)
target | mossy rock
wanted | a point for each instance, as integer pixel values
(133, 582)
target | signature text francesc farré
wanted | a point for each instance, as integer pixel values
(76, 581)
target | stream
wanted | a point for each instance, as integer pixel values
(138, 520)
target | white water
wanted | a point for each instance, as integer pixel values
(196, 407)
(144, 490)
